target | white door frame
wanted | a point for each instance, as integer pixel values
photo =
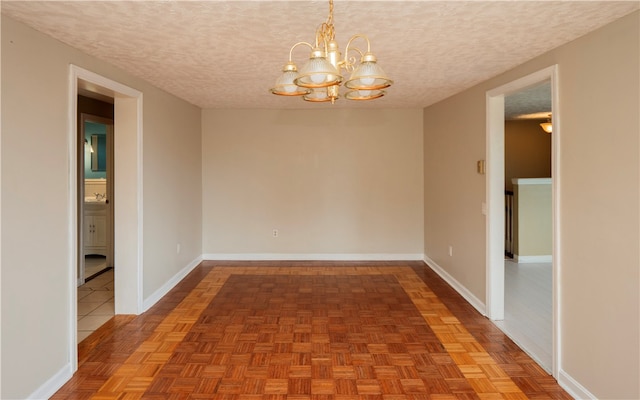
(495, 184)
(127, 195)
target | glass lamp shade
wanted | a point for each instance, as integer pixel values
(318, 72)
(547, 127)
(285, 87)
(368, 76)
(364, 94)
(317, 96)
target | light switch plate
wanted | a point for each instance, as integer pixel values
(480, 167)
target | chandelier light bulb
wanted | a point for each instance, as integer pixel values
(290, 88)
(318, 78)
(367, 81)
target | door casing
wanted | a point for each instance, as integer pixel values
(495, 172)
(127, 194)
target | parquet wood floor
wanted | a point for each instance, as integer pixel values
(312, 331)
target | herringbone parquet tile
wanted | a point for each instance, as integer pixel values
(308, 331)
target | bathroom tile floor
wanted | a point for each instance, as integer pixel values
(94, 265)
(95, 304)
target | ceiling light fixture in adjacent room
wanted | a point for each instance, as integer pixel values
(320, 78)
(547, 126)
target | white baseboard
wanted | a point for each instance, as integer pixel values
(311, 257)
(575, 389)
(457, 286)
(164, 289)
(53, 384)
(532, 259)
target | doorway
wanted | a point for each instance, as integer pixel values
(95, 188)
(95, 214)
(495, 183)
(126, 192)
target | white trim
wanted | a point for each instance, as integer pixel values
(53, 384)
(575, 389)
(119, 92)
(140, 204)
(457, 286)
(494, 181)
(104, 82)
(310, 257)
(531, 181)
(555, 212)
(72, 308)
(532, 259)
(170, 284)
(495, 201)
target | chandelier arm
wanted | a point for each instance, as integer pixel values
(349, 62)
(354, 37)
(296, 45)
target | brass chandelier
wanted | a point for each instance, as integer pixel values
(320, 78)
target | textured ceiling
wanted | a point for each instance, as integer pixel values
(530, 103)
(227, 54)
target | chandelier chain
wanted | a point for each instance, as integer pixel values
(326, 32)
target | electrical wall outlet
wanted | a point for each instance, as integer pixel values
(178, 248)
(450, 251)
(275, 233)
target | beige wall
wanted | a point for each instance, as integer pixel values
(527, 151)
(172, 188)
(331, 181)
(599, 200)
(532, 216)
(453, 190)
(36, 249)
(599, 92)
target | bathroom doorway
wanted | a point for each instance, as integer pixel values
(125, 197)
(95, 186)
(96, 289)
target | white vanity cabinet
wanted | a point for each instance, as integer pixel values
(95, 229)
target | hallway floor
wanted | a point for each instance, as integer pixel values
(95, 304)
(307, 330)
(528, 309)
